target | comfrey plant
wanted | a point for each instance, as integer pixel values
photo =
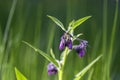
(66, 45)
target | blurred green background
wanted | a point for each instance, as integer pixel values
(26, 20)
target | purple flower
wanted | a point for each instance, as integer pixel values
(65, 41)
(81, 48)
(51, 69)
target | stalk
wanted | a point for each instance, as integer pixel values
(4, 44)
(60, 73)
(104, 47)
(112, 37)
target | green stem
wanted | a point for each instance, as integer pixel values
(60, 73)
(64, 56)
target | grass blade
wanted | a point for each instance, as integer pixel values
(90, 74)
(19, 75)
(59, 23)
(79, 21)
(12, 10)
(112, 40)
(45, 55)
(81, 73)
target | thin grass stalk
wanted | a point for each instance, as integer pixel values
(95, 49)
(90, 74)
(104, 46)
(5, 37)
(50, 41)
(112, 38)
(37, 37)
(6, 32)
(37, 33)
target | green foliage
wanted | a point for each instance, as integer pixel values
(72, 25)
(81, 73)
(59, 23)
(45, 55)
(76, 23)
(19, 75)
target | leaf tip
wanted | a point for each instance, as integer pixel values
(89, 17)
(49, 16)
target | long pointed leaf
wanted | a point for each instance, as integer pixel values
(45, 55)
(81, 73)
(79, 21)
(71, 24)
(19, 75)
(59, 23)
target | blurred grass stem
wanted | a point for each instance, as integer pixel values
(104, 46)
(6, 32)
(112, 37)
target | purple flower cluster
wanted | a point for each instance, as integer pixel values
(66, 41)
(81, 48)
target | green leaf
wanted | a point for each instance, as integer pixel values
(59, 23)
(79, 21)
(52, 54)
(81, 73)
(45, 55)
(70, 25)
(78, 35)
(19, 75)
(90, 74)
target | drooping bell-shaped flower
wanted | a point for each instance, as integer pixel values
(66, 41)
(51, 69)
(81, 48)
